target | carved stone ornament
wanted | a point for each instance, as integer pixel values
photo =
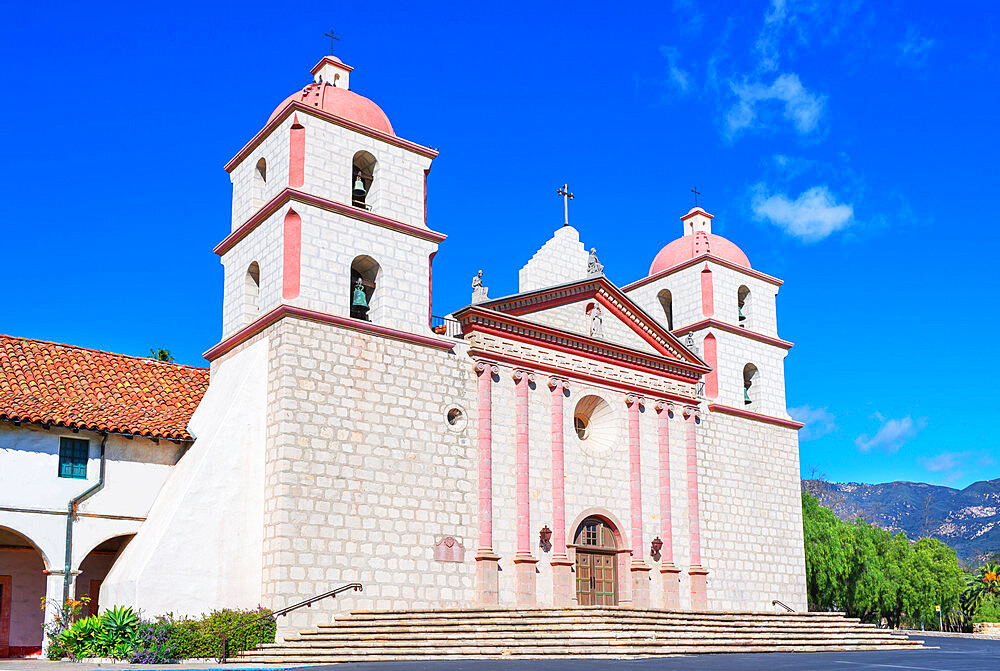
(596, 322)
(479, 292)
(692, 412)
(520, 373)
(635, 398)
(448, 549)
(594, 267)
(667, 406)
(558, 383)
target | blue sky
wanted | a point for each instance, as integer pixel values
(849, 148)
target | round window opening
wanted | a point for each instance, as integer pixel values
(595, 424)
(454, 416)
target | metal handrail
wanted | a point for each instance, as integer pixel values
(783, 605)
(356, 586)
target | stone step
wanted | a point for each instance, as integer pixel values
(584, 609)
(524, 642)
(416, 654)
(581, 620)
(577, 622)
(587, 612)
(571, 632)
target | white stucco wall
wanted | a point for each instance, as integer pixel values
(200, 546)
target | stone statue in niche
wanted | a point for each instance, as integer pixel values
(449, 550)
(594, 267)
(479, 292)
(596, 323)
(689, 343)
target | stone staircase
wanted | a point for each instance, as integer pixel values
(585, 632)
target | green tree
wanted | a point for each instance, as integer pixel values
(826, 560)
(160, 355)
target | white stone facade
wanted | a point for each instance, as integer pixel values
(359, 442)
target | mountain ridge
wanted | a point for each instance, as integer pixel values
(966, 519)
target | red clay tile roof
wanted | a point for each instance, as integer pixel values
(69, 386)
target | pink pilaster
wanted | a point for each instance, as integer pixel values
(669, 573)
(638, 567)
(297, 154)
(487, 583)
(699, 596)
(524, 562)
(562, 575)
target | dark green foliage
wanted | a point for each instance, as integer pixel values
(200, 638)
(868, 573)
(110, 634)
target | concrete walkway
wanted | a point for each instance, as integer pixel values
(950, 654)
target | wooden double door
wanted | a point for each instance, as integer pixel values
(596, 579)
(596, 563)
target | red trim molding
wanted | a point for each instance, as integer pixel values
(282, 311)
(332, 61)
(723, 326)
(289, 195)
(298, 106)
(746, 414)
(704, 257)
(697, 211)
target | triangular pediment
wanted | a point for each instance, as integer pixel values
(571, 308)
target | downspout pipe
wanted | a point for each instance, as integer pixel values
(71, 509)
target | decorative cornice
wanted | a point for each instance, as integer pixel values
(608, 295)
(746, 414)
(298, 106)
(331, 61)
(282, 311)
(289, 195)
(729, 328)
(698, 259)
(475, 318)
(697, 211)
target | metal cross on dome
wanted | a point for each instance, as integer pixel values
(567, 196)
(696, 193)
(332, 38)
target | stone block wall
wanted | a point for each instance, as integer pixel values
(561, 259)
(751, 513)
(364, 474)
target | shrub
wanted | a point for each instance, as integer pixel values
(154, 642)
(111, 634)
(201, 637)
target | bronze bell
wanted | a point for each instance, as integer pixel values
(359, 192)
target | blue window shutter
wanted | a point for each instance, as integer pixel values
(73, 454)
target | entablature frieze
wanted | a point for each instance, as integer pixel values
(567, 368)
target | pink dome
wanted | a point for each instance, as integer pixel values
(343, 103)
(688, 247)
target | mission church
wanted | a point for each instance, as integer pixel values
(577, 443)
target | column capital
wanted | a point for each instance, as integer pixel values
(557, 383)
(483, 366)
(692, 412)
(637, 399)
(663, 405)
(523, 373)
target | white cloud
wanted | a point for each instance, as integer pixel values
(914, 48)
(812, 216)
(678, 76)
(945, 461)
(818, 421)
(891, 435)
(770, 36)
(800, 107)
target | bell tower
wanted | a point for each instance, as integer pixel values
(329, 213)
(702, 287)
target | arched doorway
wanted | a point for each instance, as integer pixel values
(95, 567)
(22, 589)
(596, 563)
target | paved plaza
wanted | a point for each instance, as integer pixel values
(943, 654)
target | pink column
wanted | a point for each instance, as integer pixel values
(562, 575)
(524, 562)
(639, 568)
(297, 154)
(699, 596)
(487, 582)
(669, 573)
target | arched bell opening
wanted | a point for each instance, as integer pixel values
(596, 562)
(365, 297)
(666, 300)
(22, 590)
(743, 305)
(750, 378)
(251, 293)
(362, 180)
